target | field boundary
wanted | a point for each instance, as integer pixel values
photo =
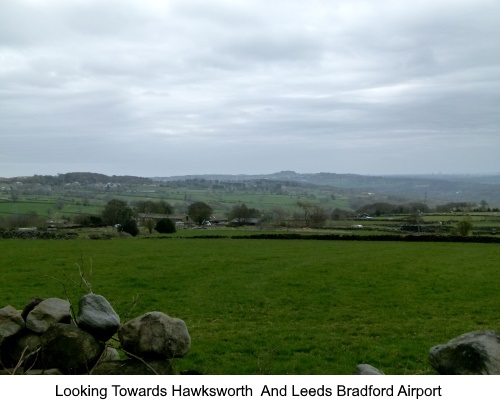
(268, 236)
(382, 238)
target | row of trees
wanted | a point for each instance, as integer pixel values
(313, 215)
(78, 177)
(201, 213)
(383, 208)
(118, 213)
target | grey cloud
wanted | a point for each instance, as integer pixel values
(25, 24)
(210, 79)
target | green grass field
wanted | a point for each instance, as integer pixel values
(276, 306)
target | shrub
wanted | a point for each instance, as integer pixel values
(130, 226)
(165, 225)
(89, 221)
(464, 227)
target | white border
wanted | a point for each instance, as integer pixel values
(288, 389)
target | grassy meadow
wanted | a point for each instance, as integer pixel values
(277, 306)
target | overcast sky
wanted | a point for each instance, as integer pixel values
(170, 87)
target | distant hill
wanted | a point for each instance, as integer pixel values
(432, 188)
(470, 188)
(84, 178)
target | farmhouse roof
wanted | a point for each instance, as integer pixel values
(144, 215)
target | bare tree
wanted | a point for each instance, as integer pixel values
(199, 212)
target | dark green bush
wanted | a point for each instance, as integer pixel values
(165, 225)
(130, 226)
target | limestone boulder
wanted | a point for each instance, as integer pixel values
(366, 369)
(24, 350)
(48, 312)
(70, 349)
(109, 354)
(11, 322)
(155, 336)
(476, 352)
(30, 305)
(96, 316)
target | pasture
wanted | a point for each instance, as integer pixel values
(277, 306)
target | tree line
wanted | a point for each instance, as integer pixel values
(84, 178)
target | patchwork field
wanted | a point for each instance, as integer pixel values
(277, 306)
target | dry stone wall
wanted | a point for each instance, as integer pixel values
(43, 338)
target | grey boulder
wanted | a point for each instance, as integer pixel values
(48, 312)
(96, 316)
(155, 336)
(11, 322)
(366, 369)
(476, 352)
(70, 349)
(109, 354)
(30, 305)
(24, 350)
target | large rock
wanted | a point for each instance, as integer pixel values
(70, 349)
(109, 354)
(96, 316)
(30, 305)
(24, 350)
(366, 369)
(11, 322)
(48, 312)
(155, 336)
(134, 367)
(472, 353)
